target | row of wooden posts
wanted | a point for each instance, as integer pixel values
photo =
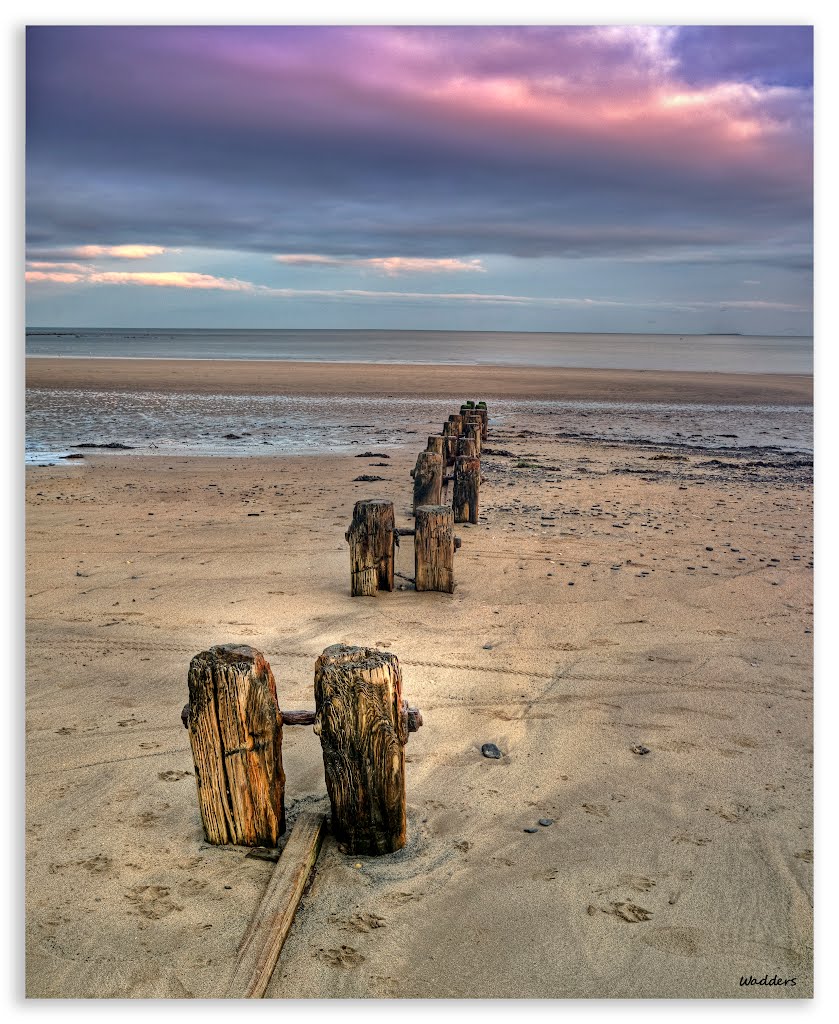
(373, 535)
(235, 723)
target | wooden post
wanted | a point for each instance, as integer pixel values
(428, 479)
(467, 482)
(363, 729)
(434, 549)
(263, 941)
(466, 446)
(472, 428)
(371, 536)
(450, 435)
(436, 443)
(482, 409)
(457, 422)
(236, 734)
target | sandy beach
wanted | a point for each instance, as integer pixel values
(254, 377)
(610, 596)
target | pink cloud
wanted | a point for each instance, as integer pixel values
(122, 252)
(389, 265)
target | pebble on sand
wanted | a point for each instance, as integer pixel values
(490, 750)
(639, 748)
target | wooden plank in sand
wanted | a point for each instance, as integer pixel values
(260, 947)
(363, 728)
(236, 734)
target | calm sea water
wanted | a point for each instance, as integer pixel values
(169, 424)
(730, 353)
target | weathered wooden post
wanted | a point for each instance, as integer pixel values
(450, 436)
(457, 422)
(467, 482)
(436, 443)
(466, 446)
(362, 722)
(236, 733)
(482, 409)
(371, 537)
(472, 428)
(434, 547)
(428, 479)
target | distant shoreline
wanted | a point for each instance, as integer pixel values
(282, 376)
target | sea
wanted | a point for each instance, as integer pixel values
(168, 423)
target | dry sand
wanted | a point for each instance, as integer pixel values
(669, 874)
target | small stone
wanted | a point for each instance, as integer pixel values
(487, 647)
(545, 822)
(639, 748)
(264, 853)
(531, 830)
(490, 750)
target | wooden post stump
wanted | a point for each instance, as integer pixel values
(363, 729)
(372, 536)
(436, 443)
(467, 483)
(472, 428)
(457, 422)
(466, 446)
(434, 547)
(482, 409)
(428, 479)
(236, 734)
(450, 436)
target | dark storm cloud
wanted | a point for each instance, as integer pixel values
(416, 142)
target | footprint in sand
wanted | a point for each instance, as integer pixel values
(152, 901)
(172, 776)
(97, 865)
(401, 898)
(678, 940)
(625, 911)
(686, 837)
(597, 810)
(730, 811)
(346, 956)
(359, 923)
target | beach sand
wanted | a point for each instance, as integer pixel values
(608, 597)
(207, 376)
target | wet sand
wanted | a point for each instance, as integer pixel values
(204, 376)
(610, 596)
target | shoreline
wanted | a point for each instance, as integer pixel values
(260, 377)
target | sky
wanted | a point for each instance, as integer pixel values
(609, 178)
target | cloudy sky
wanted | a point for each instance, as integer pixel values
(563, 178)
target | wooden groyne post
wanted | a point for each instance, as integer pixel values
(467, 485)
(428, 479)
(236, 734)
(371, 536)
(434, 548)
(436, 443)
(362, 722)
